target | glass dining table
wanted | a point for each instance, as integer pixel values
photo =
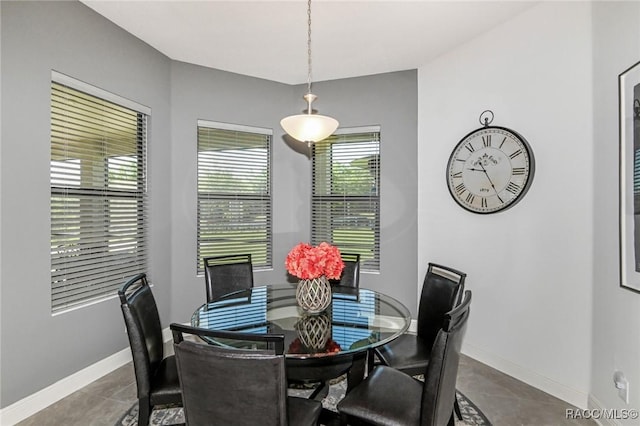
(318, 347)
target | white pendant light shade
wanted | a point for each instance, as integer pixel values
(309, 128)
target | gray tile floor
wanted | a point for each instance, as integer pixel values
(509, 402)
(504, 400)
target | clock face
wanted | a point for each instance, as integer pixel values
(490, 169)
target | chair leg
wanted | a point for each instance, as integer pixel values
(456, 408)
(320, 392)
(452, 420)
(144, 411)
(371, 361)
(356, 373)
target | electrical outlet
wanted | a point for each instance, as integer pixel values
(622, 384)
(623, 393)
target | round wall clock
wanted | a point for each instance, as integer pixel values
(490, 169)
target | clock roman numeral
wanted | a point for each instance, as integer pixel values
(470, 147)
(513, 188)
(460, 188)
(457, 175)
(470, 198)
(517, 171)
(483, 203)
(515, 154)
(503, 141)
(486, 141)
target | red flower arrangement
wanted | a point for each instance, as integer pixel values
(307, 262)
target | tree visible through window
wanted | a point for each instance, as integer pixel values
(234, 192)
(98, 194)
(345, 202)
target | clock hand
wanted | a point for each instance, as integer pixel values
(490, 181)
(476, 170)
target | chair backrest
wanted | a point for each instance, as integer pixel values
(350, 276)
(439, 391)
(143, 327)
(226, 386)
(226, 274)
(441, 291)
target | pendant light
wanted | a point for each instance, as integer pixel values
(309, 127)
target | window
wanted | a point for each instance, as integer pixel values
(345, 201)
(234, 192)
(98, 197)
(636, 181)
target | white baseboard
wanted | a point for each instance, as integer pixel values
(40, 400)
(594, 404)
(528, 376)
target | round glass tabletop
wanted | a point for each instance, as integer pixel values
(356, 320)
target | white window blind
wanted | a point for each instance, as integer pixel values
(98, 196)
(234, 192)
(345, 201)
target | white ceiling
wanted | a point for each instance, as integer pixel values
(268, 39)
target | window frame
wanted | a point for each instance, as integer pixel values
(369, 263)
(266, 196)
(115, 222)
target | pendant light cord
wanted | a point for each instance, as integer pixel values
(309, 127)
(309, 46)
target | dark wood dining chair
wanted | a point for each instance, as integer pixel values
(226, 274)
(410, 353)
(230, 386)
(350, 276)
(441, 291)
(413, 403)
(156, 376)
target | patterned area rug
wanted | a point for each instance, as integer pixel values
(471, 415)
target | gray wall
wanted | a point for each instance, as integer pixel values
(388, 100)
(37, 349)
(203, 93)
